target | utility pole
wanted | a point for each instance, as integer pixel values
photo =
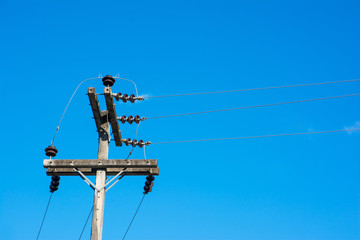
(99, 197)
(102, 166)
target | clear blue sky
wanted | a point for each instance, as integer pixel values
(298, 187)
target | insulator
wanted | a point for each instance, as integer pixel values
(150, 178)
(123, 119)
(124, 98)
(134, 143)
(130, 119)
(149, 183)
(118, 96)
(140, 143)
(51, 151)
(108, 80)
(55, 178)
(55, 183)
(53, 188)
(132, 98)
(127, 141)
(137, 119)
(147, 189)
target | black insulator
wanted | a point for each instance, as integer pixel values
(55, 183)
(150, 178)
(137, 119)
(124, 98)
(55, 178)
(140, 143)
(149, 183)
(51, 151)
(108, 80)
(146, 189)
(123, 119)
(118, 96)
(130, 119)
(53, 188)
(132, 98)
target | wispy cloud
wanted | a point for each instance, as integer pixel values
(356, 125)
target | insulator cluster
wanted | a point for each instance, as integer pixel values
(132, 98)
(130, 119)
(149, 184)
(108, 80)
(135, 143)
(54, 185)
(51, 151)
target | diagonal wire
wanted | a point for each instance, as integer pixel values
(263, 136)
(42, 222)
(72, 96)
(137, 129)
(255, 89)
(86, 223)
(132, 220)
(118, 77)
(257, 106)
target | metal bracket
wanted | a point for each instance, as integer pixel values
(93, 186)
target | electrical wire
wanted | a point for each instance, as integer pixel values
(254, 89)
(137, 128)
(118, 76)
(86, 223)
(132, 220)
(42, 222)
(257, 106)
(72, 96)
(263, 136)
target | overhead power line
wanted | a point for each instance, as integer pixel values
(263, 136)
(254, 89)
(87, 219)
(256, 106)
(132, 220)
(42, 222)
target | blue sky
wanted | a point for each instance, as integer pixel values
(296, 187)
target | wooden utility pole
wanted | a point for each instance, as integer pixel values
(102, 166)
(99, 197)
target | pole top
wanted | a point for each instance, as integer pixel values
(108, 80)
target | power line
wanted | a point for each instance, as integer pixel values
(263, 136)
(254, 89)
(72, 96)
(132, 220)
(256, 106)
(86, 223)
(42, 222)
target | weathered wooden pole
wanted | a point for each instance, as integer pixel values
(99, 197)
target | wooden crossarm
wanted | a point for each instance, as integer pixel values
(100, 163)
(109, 171)
(94, 102)
(112, 116)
